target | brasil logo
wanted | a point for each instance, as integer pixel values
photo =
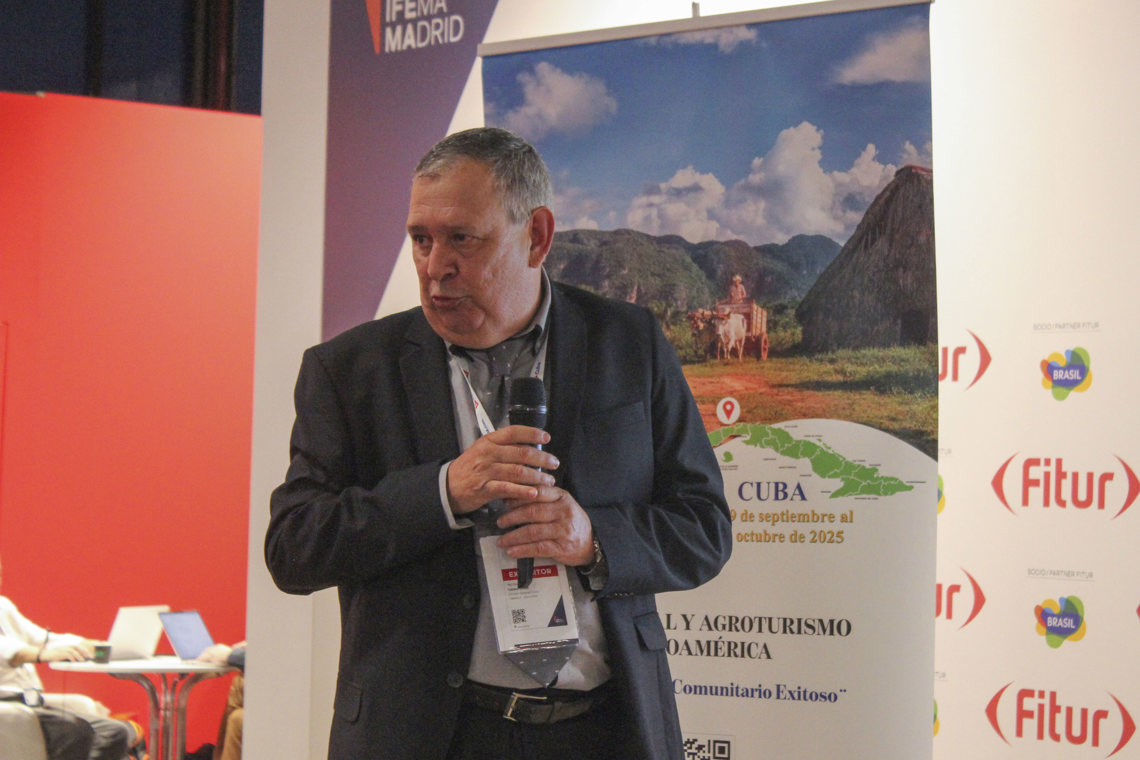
(1061, 620)
(1068, 373)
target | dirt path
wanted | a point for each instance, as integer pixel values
(795, 403)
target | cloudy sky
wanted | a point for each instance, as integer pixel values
(755, 132)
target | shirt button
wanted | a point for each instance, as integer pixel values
(454, 680)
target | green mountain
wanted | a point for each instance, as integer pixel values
(668, 273)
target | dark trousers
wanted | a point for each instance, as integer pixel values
(486, 735)
(74, 737)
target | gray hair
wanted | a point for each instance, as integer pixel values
(519, 174)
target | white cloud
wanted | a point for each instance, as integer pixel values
(797, 189)
(726, 39)
(680, 206)
(912, 156)
(555, 102)
(785, 192)
(899, 56)
(574, 209)
(858, 186)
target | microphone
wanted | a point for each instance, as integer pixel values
(527, 407)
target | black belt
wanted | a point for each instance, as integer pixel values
(533, 707)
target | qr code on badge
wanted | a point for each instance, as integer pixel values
(518, 617)
(700, 747)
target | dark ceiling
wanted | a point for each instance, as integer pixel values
(198, 53)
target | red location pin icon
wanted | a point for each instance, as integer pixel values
(728, 410)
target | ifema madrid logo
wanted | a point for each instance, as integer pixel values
(399, 25)
(1064, 374)
(1060, 620)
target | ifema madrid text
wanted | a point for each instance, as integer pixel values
(413, 24)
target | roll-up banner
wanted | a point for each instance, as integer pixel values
(766, 189)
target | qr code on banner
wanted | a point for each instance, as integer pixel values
(702, 747)
(518, 617)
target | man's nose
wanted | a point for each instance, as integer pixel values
(440, 261)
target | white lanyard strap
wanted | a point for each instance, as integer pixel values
(481, 417)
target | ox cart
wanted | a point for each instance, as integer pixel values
(735, 328)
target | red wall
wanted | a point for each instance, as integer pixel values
(128, 244)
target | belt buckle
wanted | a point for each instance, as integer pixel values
(516, 700)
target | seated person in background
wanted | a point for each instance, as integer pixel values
(228, 746)
(68, 735)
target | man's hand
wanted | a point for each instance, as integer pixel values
(552, 524)
(215, 655)
(57, 653)
(500, 465)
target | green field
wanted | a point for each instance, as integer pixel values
(892, 389)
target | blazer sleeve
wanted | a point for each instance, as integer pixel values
(647, 471)
(356, 503)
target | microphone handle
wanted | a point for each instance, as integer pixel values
(532, 412)
(525, 571)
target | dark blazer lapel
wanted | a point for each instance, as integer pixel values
(565, 378)
(423, 366)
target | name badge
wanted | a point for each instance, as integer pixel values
(536, 617)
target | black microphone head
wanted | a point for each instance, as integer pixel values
(528, 402)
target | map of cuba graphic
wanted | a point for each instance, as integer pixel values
(856, 479)
(1066, 373)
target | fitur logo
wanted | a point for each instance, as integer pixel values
(955, 360)
(1064, 374)
(1044, 717)
(399, 25)
(1048, 483)
(1060, 620)
(950, 605)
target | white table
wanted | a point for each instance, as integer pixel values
(167, 681)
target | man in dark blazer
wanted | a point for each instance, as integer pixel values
(384, 472)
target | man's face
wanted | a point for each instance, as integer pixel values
(479, 274)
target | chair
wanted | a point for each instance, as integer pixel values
(20, 735)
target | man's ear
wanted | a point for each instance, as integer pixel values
(541, 235)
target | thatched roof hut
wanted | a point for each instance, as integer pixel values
(880, 289)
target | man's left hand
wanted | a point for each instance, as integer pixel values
(554, 525)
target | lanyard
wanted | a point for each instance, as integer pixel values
(481, 417)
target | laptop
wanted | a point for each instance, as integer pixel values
(135, 632)
(187, 633)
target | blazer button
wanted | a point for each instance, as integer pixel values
(468, 601)
(454, 680)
